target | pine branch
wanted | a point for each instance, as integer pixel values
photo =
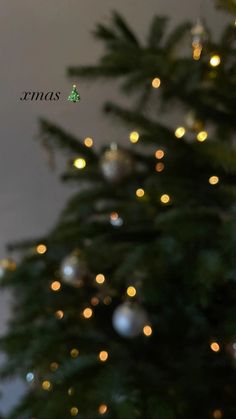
(157, 31)
(124, 30)
(229, 5)
(64, 140)
(104, 33)
(140, 120)
(25, 244)
(177, 36)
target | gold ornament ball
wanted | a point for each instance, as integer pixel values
(7, 265)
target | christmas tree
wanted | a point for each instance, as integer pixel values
(74, 95)
(127, 309)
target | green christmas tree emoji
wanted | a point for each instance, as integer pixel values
(74, 95)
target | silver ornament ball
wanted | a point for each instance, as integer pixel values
(116, 164)
(198, 31)
(129, 319)
(73, 270)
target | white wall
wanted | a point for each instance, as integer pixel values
(38, 39)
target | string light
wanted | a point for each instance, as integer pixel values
(94, 301)
(74, 353)
(215, 347)
(134, 137)
(71, 391)
(212, 74)
(217, 414)
(55, 286)
(54, 366)
(41, 248)
(46, 385)
(147, 330)
(88, 142)
(213, 180)
(159, 167)
(107, 300)
(114, 216)
(215, 60)
(202, 136)
(179, 132)
(140, 193)
(87, 313)
(115, 220)
(159, 154)
(100, 279)
(74, 411)
(59, 314)
(102, 409)
(156, 82)
(131, 291)
(197, 51)
(165, 199)
(103, 356)
(79, 163)
(30, 377)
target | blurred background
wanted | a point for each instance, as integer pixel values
(38, 41)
